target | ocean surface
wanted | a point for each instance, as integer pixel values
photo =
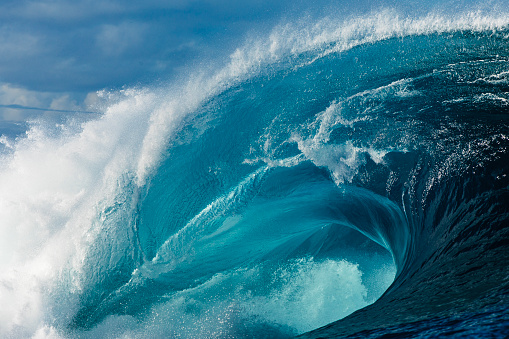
(331, 179)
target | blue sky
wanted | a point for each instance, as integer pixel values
(56, 45)
(55, 54)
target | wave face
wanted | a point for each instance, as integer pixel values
(333, 168)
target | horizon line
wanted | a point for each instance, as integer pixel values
(16, 106)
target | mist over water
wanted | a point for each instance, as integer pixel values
(268, 197)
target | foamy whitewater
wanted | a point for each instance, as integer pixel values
(330, 167)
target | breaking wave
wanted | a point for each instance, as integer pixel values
(332, 167)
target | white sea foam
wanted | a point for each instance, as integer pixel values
(311, 294)
(300, 296)
(331, 35)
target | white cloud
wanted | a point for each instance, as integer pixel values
(114, 40)
(12, 95)
(68, 11)
(20, 104)
(14, 42)
(63, 10)
(64, 102)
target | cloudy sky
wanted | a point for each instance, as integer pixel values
(55, 54)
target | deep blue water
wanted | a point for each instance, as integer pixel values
(334, 168)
